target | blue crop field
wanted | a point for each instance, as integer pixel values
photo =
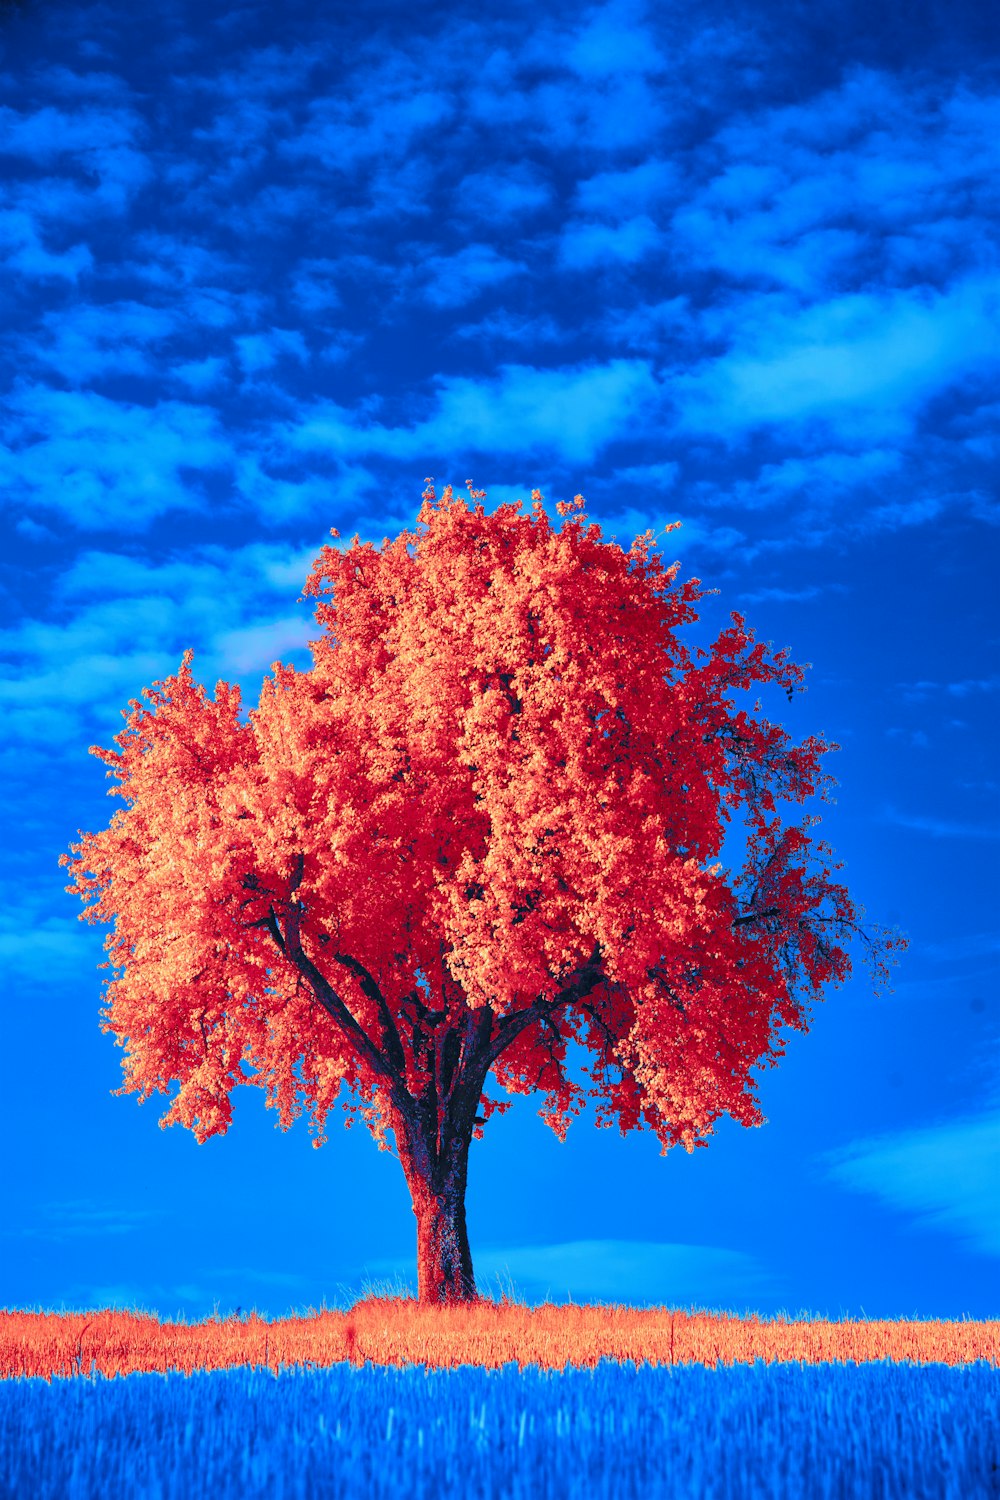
(742, 1432)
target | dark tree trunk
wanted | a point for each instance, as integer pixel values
(437, 1179)
(434, 1134)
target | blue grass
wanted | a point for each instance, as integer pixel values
(746, 1432)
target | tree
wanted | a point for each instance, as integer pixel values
(487, 821)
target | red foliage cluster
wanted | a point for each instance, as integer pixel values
(487, 822)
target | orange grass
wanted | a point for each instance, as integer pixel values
(397, 1331)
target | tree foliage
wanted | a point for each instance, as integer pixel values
(488, 820)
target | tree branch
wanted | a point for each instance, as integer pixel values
(290, 944)
(757, 916)
(391, 1039)
(513, 1024)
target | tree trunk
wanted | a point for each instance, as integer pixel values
(437, 1187)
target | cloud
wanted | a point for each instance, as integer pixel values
(81, 1217)
(940, 828)
(615, 111)
(102, 339)
(879, 176)
(819, 476)
(37, 947)
(843, 355)
(198, 270)
(624, 192)
(203, 584)
(260, 351)
(915, 738)
(583, 246)
(612, 42)
(972, 684)
(503, 327)
(944, 1176)
(453, 280)
(21, 244)
(964, 687)
(654, 476)
(394, 110)
(698, 536)
(508, 192)
(979, 429)
(650, 325)
(119, 622)
(261, 73)
(862, 365)
(103, 463)
(958, 949)
(312, 285)
(279, 500)
(574, 411)
(200, 375)
(790, 596)
(626, 1272)
(48, 133)
(64, 82)
(96, 142)
(246, 646)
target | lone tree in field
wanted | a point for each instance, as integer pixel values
(488, 820)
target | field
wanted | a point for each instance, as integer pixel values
(387, 1399)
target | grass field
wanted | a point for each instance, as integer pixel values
(386, 1399)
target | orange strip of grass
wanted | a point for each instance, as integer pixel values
(397, 1331)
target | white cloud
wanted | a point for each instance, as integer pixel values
(508, 192)
(527, 330)
(123, 622)
(73, 1218)
(259, 351)
(384, 120)
(584, 245)
(103, 463)
(781, 596)
(100, 339)
(99, 139)
(48, 133)
(655, 477)
(21, 240)
(279, 501)
(572, 411)
(245, 647)
(874, 179)
(968, 945)
(453, 280)
(38, 949)
(200, 375)
(613, 42)
(940, 828)
(946, 1177)
(827, 475)
(628, 190)
(863, 364)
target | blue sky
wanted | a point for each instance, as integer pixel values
(265, 269)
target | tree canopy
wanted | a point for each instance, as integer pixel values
(489, 820)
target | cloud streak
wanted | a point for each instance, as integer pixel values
(941, 828)
(573, 412)
(623, 1272)
(943, 1177)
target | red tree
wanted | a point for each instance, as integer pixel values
(486, 821)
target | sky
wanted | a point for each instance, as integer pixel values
(265, 269)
